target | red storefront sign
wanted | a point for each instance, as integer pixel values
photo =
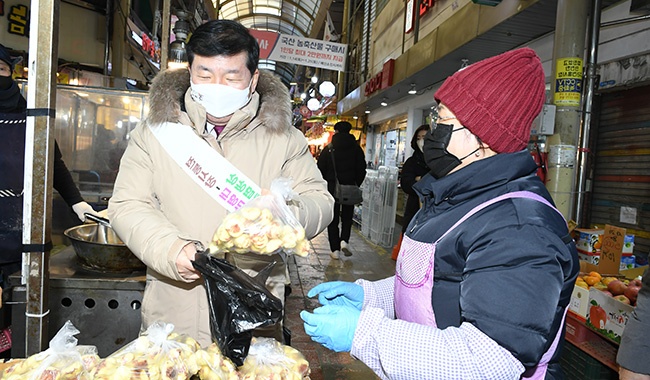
(382, 80)
(425, 6)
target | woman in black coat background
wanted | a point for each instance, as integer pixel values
(412, 170)
(350, 169)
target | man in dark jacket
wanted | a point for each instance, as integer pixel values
(344, 160)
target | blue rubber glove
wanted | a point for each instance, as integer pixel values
(338, 293)
(333, 326)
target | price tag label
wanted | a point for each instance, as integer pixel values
(611, 251)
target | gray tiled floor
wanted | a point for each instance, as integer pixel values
(368, 261)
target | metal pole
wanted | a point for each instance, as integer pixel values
(107, 40)
(566, 83)
(39, 151)
(164, 34)
(588, 97)
(343, 75)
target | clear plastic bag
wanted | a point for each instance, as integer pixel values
(265, 225)
(269, 360)
(63, 360)
(214, 366)
(158, 353)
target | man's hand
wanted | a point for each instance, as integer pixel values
(184, 263)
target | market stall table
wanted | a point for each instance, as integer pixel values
(105, 307)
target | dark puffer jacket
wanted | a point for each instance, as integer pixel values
(509, 269)
(349, 158)
(415, 166)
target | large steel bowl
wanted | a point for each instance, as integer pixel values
(98, 248)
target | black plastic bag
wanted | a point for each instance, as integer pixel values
(238, 303)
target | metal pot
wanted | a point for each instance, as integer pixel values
(99, 248)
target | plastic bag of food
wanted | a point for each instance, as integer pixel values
(214, 366)
(63, 360)
(269, 360)
(158, 353)
(238, 303)
(265, 225)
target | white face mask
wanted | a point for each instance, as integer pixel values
(420, 145)
(220, 100)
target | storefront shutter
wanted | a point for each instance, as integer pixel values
(621, 185)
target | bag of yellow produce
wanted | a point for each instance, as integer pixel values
(268, 359)
(214, 366)
(63, 360)
(158, 353)
(265, 225)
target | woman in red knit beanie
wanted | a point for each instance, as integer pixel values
(487, 266)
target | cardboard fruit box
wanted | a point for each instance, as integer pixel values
(607, 315)
(579, 302)
(589, 241)
(610, 261)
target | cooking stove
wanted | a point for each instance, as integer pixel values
(104, 307)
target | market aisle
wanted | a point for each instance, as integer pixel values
(368, 261)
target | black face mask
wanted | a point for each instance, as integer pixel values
(6, 82)
(438, 159)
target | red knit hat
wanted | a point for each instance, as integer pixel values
(498, 98)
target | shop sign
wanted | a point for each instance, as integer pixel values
(568, 82)
(148, 46)
(425, 6)
(408, 26)
(382, 80)
(18, 19)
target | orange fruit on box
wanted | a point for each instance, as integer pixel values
(598, 244)
(595, 274)
(592, 280)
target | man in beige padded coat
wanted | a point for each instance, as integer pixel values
(215, 137)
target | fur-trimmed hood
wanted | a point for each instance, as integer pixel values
(169, 87)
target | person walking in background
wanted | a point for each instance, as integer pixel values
(412, 171)
(635, 343)
(484, 278)
(234, 121)
(13, 116)
(342, 159)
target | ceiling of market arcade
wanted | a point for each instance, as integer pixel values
(303, 18)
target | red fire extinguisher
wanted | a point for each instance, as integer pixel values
(540, 159)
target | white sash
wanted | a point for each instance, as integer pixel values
(210, 170)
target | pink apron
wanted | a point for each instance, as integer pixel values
(414, 278)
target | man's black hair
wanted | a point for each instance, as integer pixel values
(223, 37)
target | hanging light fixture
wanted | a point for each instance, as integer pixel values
(313, 104)
(327, 89)
(367, 110)
(355, 117)
(413, 91)
(177, 52)
(383, 102)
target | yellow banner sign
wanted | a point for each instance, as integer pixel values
(568, 82)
